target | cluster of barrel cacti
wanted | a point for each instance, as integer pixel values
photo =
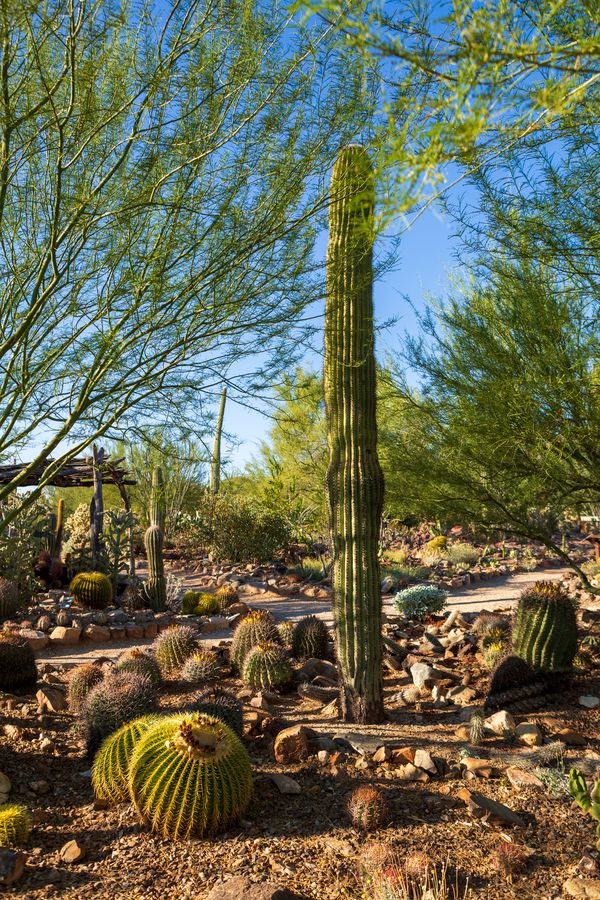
(174, 646)
(256, 628)
(227, 595)
(141, 662)
(368, 808)
(17, 662)
(309, 638)
(266, 666)
(200, 603)
(545, 628)
(201, 668)
(15, 823)
(110, 771)
(155, 587)
(92, 590)
(9, 598)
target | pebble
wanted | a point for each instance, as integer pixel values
(285, 784)
(530, 734)
(500, 723)
(582, 888)
(72, 852)
(523, 779)
(589, 701)
(12, 865)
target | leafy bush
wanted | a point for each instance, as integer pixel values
(463, 554)
(420, 601)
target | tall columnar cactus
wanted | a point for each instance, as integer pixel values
(155, 588)
(545, 629)
(157, 499)
(190, 776)
(110, 772)
(354, 477)
(215, 462)
(57, 536)
(92, 590)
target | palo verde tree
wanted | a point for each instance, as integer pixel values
(160, 190)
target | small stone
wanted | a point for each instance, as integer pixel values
(150, 630)
(98, 634)
(12, 732)
(463, 696)
(47, 745)
(39, 787)
(5, 787)
(51, 699)
(590, 702)
(12, 865)
(383, 754)
(323, 756)
(523, 779)
(411, 773)
(481, 806)
(365, 744)
(424, 761)
(478, 768)
(63, 635)
(259, 702)
(500, 723)
(37, 640)
(332, 710)
(240, 886)
(463, 732)
(285, 784)
(420, 673)
(72, 852)
(582, 888)
(291, 744)
(530, 734)
(571, 737)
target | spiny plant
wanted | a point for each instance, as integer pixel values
(155, 588)
(14, 825)
(511, 672)
(174, 645)
(80, 682)
(110, 771)
(493, 653)
(92, 590)
(266, 666)
(17, 662)
(63, 619)
(9, 598)
(44, 623)
(140, 661)
(545, 628)
(200, 668)
(309, 639)
(476, 727)
(509, 859)
(190, 776)
(219, 702)
(227, 595)
(188, 602)
(208, 605)
(589, 801)
(486, 622)
(258, 626)
(368, 808)
(285, 631)
(119, 698)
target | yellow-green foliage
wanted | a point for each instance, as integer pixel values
(14, 825)
(92, 590)
(463, 554)
(190, 776)
(434, 550)
(110, 771)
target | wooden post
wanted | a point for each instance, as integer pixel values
(97, 504)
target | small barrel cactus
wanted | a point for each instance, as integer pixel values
(190, 776)
(14, 825)
(189, 601)
(266, 666)
(92, 590)
(511, 672)
(44, 623)
(63, 619)
(219, 702)
(476, 727)
(258, 626)
(80, 682)
(141, 662)
(9, 598)
(208, 605)
(174, 645)
(119, 698)
(310, 638)
(368, 808)
(17, 662)
(110, 772)
(285, 630)
(226, 595)
(545, 628)
(200, 668)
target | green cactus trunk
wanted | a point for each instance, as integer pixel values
(154, 538)
(354, 477)
(545, 628)
(215, 464)
(157, 500)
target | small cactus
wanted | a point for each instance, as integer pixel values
(208, 605)
(285, 631)
(310, 638)
(141, 662)
(368, 808)
(92, 590)
(14, 825)
(511, 672)
(173, 646)
(589, 801)
(216, 701)
(545, 628)
(486, 622)
(258, 626)
(190, 776)
(266, 667)
(227, 595)
(9, 598)
(189, 601)
(476, 727)
(201, 668)
(119, 698)
(80, 682)
(493, 653)
(63, 619)
(110, 771)
(44, 623)
(509, 859)
(17, 662)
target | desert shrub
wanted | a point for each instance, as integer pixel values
(21, 542)
(592, 568)
(399, 556)
(463, 554)
(420, 600)
(310, 569)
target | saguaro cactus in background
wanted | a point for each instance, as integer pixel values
(156, 586)
(215, 462)
(354, 476)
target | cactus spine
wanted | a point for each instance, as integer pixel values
(354, 476)
(156, 586)
(91, 589)
(14, 825)
(215, 462)
(545, 628)
(110, 770)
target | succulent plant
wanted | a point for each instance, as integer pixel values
(509, 859)
(44, 623)
(309, 639)
(155, 588)
(63, 618)
(227, 595)
(258, 626)
(9, 598)
(189, 601)
(476, 728)
(80, 682)
(545, 628)
(92, 590)
(190, 776)
(493, 653)
(14, 825)
(420, 600)
(511, 672)
(208, 605)
(140, 661)
(17, 662)
(486, 622)
(174, 645)
(589, 801)
(219, 702)
(119, 698)
(110, 771)
(368, 808)
(266, 666)
(285, 630)
(200, 668)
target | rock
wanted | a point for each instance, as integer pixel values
(134, 632)
(481, 806)
(523, 779)
(463, 732)
(583, 888)
(424, 761)
(98, 634)
(411, 773)
(571, 737)
(150, 630)
(420, 673)
(37, 640)
(117, 633)
(431, 644)
(590, 702)
(478, 768)
(63, 635)
(259, 702)
(12, 865)
(214, 623)
(323, 756)
(47, 745)
(463, 696)
(72, 852)
(51, 699)
(365, 744)
(241, 887)
(500, 723)
(39, 787)
(12, 732)
(383, 754)
(285, 784)
(5, 787)
(411, 694)
(291, 744)
(530, 734)
(314, 666)
(387, 584)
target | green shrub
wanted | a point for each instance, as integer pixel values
(463, 554)
(420, 601)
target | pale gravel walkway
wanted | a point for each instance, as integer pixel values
(499, 593)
